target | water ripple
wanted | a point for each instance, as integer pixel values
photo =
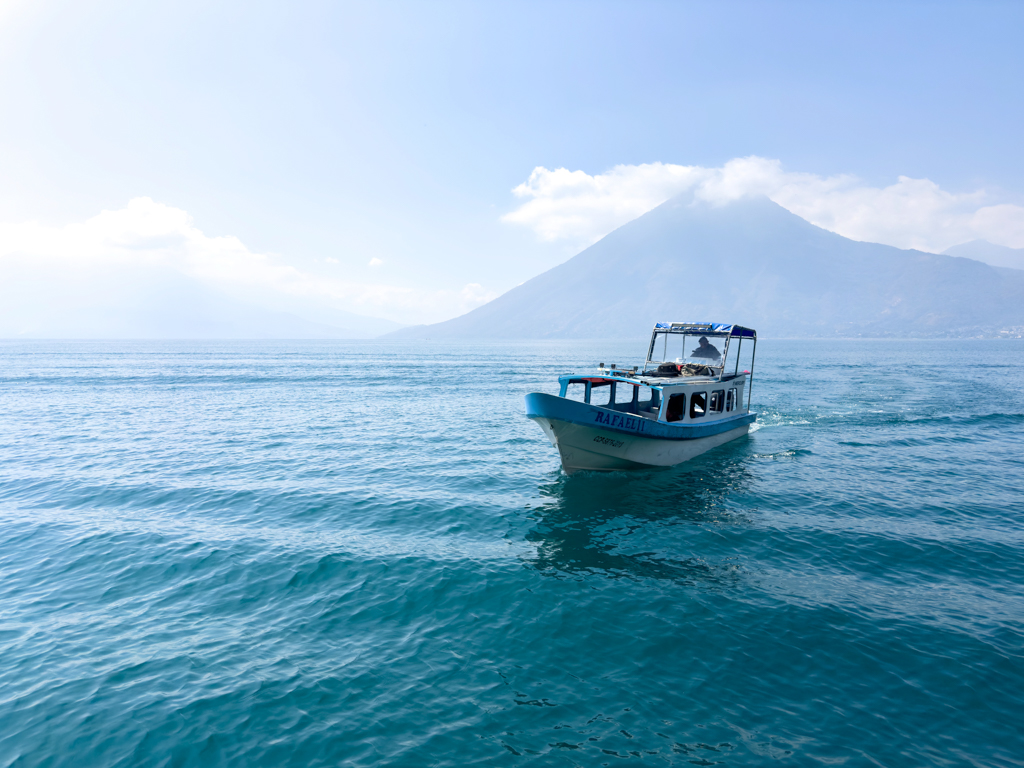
(361, 553)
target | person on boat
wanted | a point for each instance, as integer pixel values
(705, 349)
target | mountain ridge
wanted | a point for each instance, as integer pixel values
(1000, 256)
(749, 262)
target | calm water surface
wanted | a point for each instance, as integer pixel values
(362, 553)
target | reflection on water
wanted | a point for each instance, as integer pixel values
(585, 523)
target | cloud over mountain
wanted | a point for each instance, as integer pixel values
(578, 208)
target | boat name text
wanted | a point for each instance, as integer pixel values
(622, 422)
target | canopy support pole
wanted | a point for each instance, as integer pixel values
(750, 381)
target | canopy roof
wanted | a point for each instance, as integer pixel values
(706, 329)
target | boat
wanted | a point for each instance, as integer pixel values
(668, 411)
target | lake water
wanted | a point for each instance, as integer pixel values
(362, 553)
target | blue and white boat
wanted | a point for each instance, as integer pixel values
(674, 408)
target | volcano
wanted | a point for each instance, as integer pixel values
(749, 262)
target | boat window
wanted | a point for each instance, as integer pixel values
(577, 390)
(601, 394)
(730, 400)
(648, 398)
(698, 404)
(717, 403)
(676, 408)
(624, 393)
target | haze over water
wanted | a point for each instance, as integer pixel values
(362, 553)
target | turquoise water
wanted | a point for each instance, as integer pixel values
(361, 553)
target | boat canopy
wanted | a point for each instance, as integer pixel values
(706, 329)
(707, 358)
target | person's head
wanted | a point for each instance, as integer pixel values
(703, 341)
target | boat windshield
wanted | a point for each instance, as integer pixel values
(689, 348)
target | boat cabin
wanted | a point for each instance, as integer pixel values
(691, 375)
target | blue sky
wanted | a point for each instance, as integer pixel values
(327, 136)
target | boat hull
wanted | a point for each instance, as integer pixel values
(593, 438)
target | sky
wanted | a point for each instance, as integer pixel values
(410, 161)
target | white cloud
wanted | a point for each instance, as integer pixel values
(572, 205)
(577, 208)
(162, 240)
(474, 294)
(375, 262)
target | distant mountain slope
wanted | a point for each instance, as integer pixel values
(751, 262)
(153, 303)
(994, 255)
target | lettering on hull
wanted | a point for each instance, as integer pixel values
(634, 423)
(606, 441)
